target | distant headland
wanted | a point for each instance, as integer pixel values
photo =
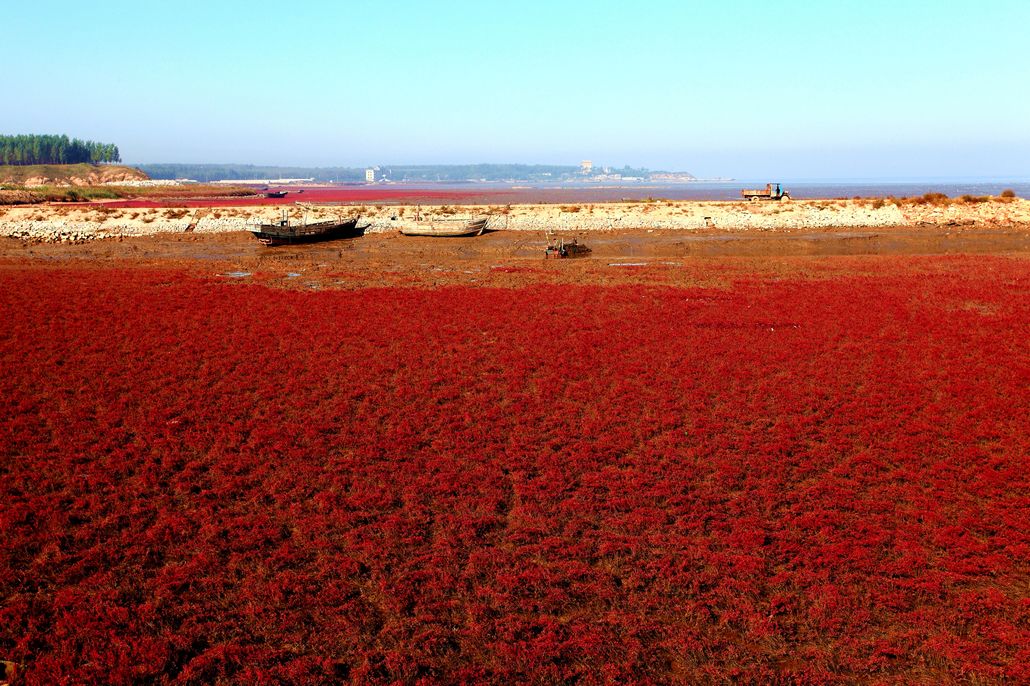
(585, 172)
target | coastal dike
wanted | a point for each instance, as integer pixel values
(74, 223)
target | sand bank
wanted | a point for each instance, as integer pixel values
(63, 223)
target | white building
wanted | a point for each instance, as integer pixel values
(370, 174)
(586, 167)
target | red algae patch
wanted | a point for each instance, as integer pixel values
(784, 480)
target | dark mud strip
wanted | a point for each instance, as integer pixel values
(635, 245)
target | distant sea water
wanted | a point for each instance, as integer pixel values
(873, 189)
(493, 192)
(490, 193)
(730, 190)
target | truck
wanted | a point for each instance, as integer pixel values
(772, 191)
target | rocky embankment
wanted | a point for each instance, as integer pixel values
(50, 223)
(69, 175)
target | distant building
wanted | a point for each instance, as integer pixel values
(586, 167)
(370, 174)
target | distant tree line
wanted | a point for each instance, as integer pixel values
(47, 149)
(476, 172)
(218, 172)
(443, 173)
(454, 173)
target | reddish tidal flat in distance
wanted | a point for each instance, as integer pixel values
(322, 194)
(777, 475)
(502, 194)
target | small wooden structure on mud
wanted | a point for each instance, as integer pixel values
(559, 248)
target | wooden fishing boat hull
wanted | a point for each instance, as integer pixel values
(273, 234)
(442, 230)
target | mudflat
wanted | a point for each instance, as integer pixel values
(510, 257)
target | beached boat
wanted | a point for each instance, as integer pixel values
(284, 232)
(450, 228)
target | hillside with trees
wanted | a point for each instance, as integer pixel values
(54, 149)
(219, 172)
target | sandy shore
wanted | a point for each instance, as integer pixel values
(64, 223)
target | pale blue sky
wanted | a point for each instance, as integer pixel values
(909, 88)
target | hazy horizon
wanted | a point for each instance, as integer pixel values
(928, 178)
(874, 90)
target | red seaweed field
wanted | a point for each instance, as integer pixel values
(793, 479)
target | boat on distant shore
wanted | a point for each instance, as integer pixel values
(447, 228)
(284, 232)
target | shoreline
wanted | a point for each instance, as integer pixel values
(61, 223)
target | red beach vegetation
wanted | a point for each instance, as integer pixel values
(787, 480)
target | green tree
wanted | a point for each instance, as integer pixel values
(54, 149)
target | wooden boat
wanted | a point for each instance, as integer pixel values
(447, 228)
(276, 194)
(285, 233)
